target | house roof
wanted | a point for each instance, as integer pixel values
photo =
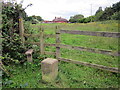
(60, 19)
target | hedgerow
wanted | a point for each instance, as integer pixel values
(13, 48)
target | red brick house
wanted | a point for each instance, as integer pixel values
(57, 20)
(60, 20)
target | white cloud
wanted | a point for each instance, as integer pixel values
(48, 9)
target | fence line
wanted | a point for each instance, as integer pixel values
(50, 53)
(58, 46)
(91, 33)
(93, 50)
(111, 69)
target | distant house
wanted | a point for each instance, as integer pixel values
(57, 20)
(60, 20)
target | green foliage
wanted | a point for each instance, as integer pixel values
(116, 16)
(10, 25)
(107, 14)
(110, 13)
(116, 7)
(34, 19)
(37, 17)
(76, 18)
(81, 20)
(87, 20)
(99, 10)
(13, 49)
(98, 15)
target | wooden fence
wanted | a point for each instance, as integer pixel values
(58, 45)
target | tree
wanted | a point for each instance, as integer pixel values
(34, 19)
(116, 7)
(76, 18)
(99, 10)
(98, 14)
(109, 13)
(39, 18)
(116, 16)
(13, 48)
(86, 20)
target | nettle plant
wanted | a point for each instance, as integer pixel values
(13, 48)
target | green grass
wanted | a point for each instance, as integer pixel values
(29, 76)
(71, 75)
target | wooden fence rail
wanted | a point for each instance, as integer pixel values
(91, 33)
(111, 69)
(49, 35)
(93, 50)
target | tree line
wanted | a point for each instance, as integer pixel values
(110, 13)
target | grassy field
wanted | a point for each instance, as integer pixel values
(71, 75)
(84, 41)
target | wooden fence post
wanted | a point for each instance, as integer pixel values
(57, 42)
(21, 29)
(41, 41)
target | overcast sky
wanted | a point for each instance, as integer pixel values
(48, 9)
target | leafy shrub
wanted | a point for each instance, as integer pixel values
(81, 20)
(116, 16)
(87, 20)
(13, 49)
